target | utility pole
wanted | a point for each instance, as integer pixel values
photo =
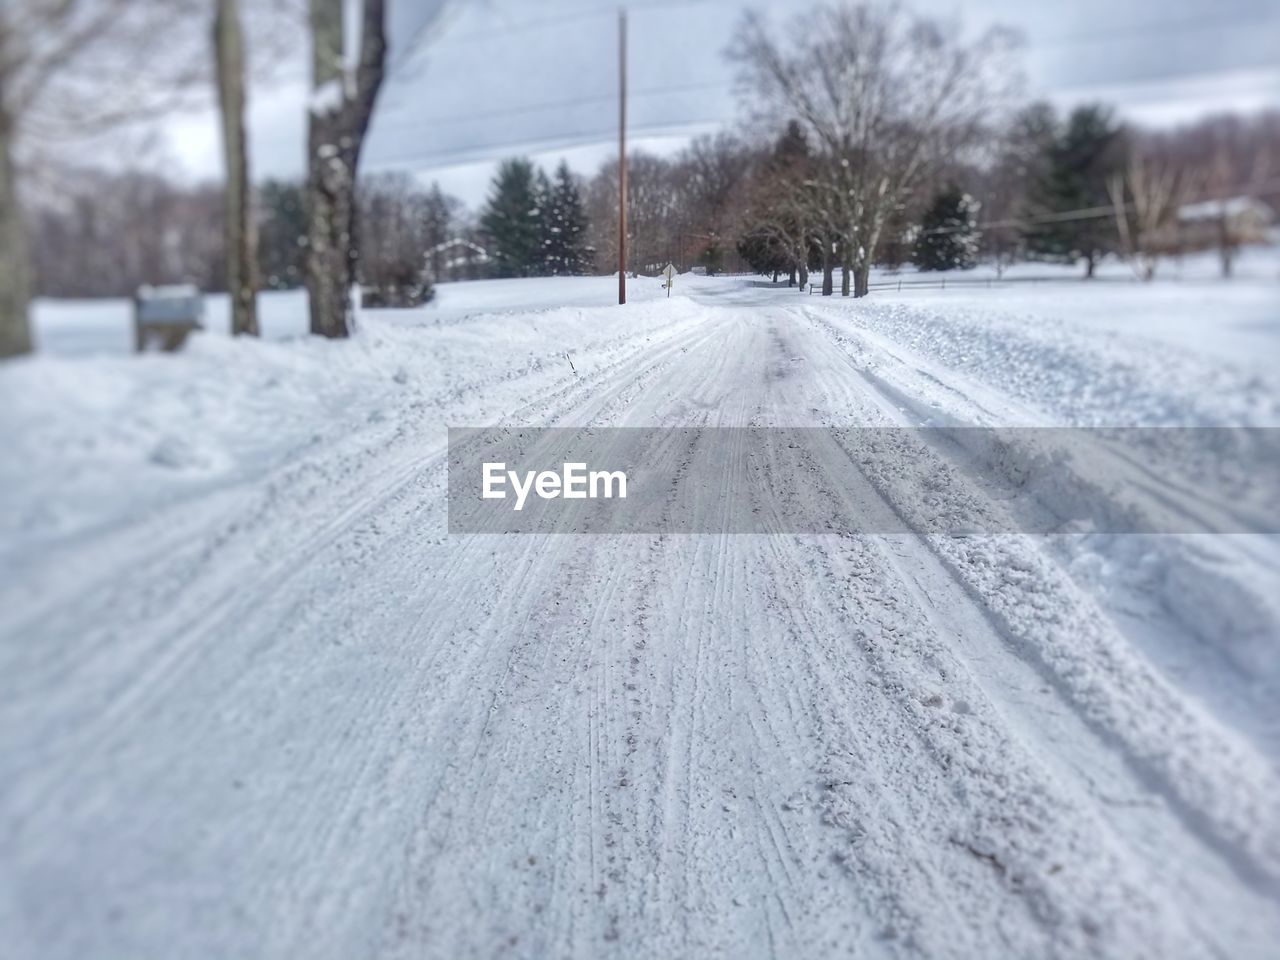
(622, 156)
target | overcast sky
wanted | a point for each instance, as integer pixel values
(492, 78)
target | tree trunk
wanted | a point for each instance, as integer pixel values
(15, 325)
(331, 256)
(804, 276)
(862, 274)
(862, 279)
(1090, 262)
(791, 278)
(241, 236)
(827, 267)
(1226, 250)
(340, 110)
(846, 268)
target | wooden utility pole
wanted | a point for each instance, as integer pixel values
(622, 156)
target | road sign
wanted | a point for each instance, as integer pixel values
(669, 273)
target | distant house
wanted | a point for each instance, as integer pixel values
(1237, 221)
(457, 259)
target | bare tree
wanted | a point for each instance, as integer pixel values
(341, 106)
(780, 214)
(241, 238)
(70, 70)
(1018, 161)
(1228, 179)
(652, 216)
(706, 178)
(403, 233)
(884, 96)
(1229, 158)
(105, 233)
(1146, 196)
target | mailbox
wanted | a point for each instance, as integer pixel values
(164, 316)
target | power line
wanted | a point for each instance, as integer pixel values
(1100, 212)
(588, 11)
(594, 11)
(535, 145)
(691, 88)
(1153, 27)
(416, 46)
(558, 105)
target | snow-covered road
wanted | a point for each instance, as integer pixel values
(254, 701)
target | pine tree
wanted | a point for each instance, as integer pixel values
(776, 232)
(766, 255)
(282, 234)
(1081, 158)
(512, 221)
(948, 238)
(565, 245)
(542, 200)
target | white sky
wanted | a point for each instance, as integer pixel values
(492, 78)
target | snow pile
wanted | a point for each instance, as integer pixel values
(94, 439)
(1080, 355)
(1076, 374)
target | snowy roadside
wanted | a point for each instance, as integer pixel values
(95, 439)
(1202, 608)
(253, 690)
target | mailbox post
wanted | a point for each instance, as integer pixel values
(166, 316)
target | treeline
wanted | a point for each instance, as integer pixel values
(680, 210)
(107, 234)
(855, 176)
(89, 72)
(1040, 185)
(1082, 186)
(722, 203)
(950, 170)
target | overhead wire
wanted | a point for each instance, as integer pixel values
(473, 153)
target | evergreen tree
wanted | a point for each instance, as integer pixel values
(512, 221)
(565, 225)
(765, 254)
(948, 238)
(791, 147)
(777, 230)
(282, 234)
(542, 201)
(1080, 159)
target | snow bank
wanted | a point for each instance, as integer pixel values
(93, 439)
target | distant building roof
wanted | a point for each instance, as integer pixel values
(1231, 208)
(459, 242)
(171, 291)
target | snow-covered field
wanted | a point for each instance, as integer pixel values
(256, 701)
